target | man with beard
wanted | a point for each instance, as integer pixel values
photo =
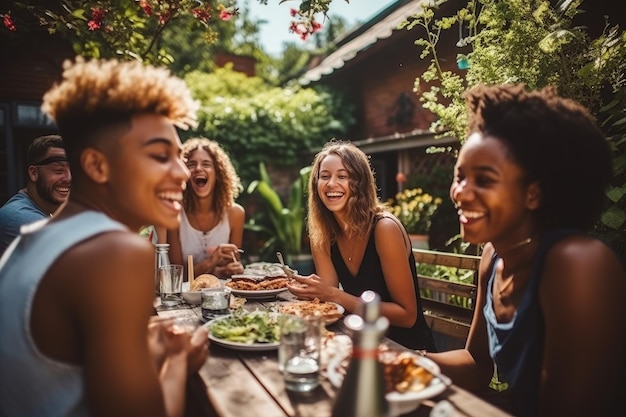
(48, 185)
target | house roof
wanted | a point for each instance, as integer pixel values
(379, 27)
(401, 141)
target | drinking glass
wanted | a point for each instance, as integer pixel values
(299, 351)
(215, 302)
(171, 284)
(185, 324)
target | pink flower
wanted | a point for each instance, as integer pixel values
(93, 25)
(201, 14)
(225, 15)
(164, 18)
(400, 177)
(294, 12)
(315, 26)
(98, 13)
(8, 23)
(145, 6)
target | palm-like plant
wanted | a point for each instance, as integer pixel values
(286, 223)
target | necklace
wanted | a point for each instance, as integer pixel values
(517, 245)
(351, 250)
(505, 286)
(510, 280)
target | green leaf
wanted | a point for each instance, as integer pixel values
(614, 217)
(271, 198)
(615, 194)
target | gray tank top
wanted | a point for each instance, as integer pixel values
(33, 384)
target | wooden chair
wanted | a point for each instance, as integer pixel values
(443, 315)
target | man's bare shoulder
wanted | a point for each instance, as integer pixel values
(109, 246)
(107, 260)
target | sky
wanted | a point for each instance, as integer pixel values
(276, 31)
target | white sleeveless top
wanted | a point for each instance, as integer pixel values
(197, 243)
(32, 384)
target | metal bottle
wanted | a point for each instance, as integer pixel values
(161, 258)
(362, 393)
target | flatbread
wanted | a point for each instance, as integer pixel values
(205, 281)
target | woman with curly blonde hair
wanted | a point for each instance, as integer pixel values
(211, 228)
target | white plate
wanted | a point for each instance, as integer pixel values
(254, 347)
(263, 269)
(399, 403)
(249, 347)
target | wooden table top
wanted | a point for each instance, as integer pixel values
(236, 383)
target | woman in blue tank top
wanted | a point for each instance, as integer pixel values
(529, 182)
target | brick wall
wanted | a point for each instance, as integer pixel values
(244, 64)
(377, 77)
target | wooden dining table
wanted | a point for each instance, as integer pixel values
(234, 383)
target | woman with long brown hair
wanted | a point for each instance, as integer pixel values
(357, 244)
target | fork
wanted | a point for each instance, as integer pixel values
(290, 272)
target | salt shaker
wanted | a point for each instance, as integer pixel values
(161, 259)
(362, 393)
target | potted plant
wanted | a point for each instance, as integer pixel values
(283, 225)
(415, 208)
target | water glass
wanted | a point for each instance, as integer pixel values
(299, 351)
(186, 324)
(171, 284)
(215, 302)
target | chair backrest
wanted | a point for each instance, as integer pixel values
(448, 305)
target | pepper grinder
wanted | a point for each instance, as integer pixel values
(161, 259)
(362, 393)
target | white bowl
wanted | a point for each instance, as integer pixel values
(191, 297)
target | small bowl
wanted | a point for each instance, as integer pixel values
(191, 297)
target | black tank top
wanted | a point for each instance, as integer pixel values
(370, 277)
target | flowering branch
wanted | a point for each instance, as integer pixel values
(132, 28)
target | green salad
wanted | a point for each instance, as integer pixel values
(247, 327)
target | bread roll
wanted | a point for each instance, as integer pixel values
(205, 281)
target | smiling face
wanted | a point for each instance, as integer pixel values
(333, 184)
(494, 202)
(144, 174)
(202, 168)
(53, 180)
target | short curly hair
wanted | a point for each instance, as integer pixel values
(557, 144)
(227, 182)
(95, 95)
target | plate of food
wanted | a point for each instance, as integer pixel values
(265, 269)
(409, 378)
(257, 287)
(329, 311)
(247, 331)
